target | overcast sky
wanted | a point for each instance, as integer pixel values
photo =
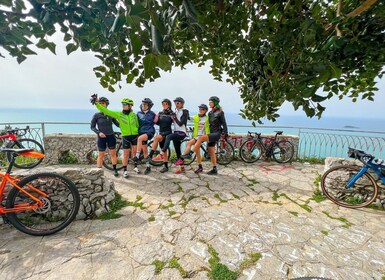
(62, 81)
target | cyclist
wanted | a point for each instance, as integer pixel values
(164, 120)
(101, 124)
(201, 127)
(179, 119)
(218, 127)
(129, 126)
(146, 132)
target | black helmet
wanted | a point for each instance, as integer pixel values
(148, 101)
(168, 101)
(179, 99)
(215, 99)
(105, 100)
(203, 106)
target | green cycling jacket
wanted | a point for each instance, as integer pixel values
(129, 124)
(196, 124)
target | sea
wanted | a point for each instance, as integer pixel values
(78, 120)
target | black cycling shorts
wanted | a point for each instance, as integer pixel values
(109, 141)
(213, 138)
(149, 137)
(129, 141)
(161, 143)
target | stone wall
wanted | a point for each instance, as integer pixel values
(334, 161)
(95, 190)
(81, 146)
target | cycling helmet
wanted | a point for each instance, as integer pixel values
(104, 100)
(168, 101)
(128, 101)
(179, 99)
(203, 106)
(214, 99)
(148, 101)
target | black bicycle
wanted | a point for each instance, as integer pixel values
(281, 151)
(224, 151)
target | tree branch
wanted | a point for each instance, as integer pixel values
(14, 14)
(362, 8)
(339, 9)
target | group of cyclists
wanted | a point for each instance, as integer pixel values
(138, 128)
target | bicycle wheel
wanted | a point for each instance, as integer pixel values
(26, 162)
(59, 209)
(224, 152)
(187, 161)
(283, 151)
(250, 151)
(157, 159)
(107, 163)
(361, 194)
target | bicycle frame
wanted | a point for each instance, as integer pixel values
(368, 165)
(7, 178)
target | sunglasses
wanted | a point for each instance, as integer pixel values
(126, 104)
(176, 102)
(202, 109)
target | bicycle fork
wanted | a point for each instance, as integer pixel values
(354, 179)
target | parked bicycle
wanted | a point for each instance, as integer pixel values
(224, 151)
(354, 186)
(39, 204)
(281, 151)
(13, 139)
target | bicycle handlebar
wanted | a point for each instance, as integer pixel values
(360, 155)
(16, 130)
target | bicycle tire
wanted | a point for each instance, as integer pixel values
(156, 160)
(361, 194)
(59, 210)
(26, 162)
(283, 151)
(224, 152)
(250, 151)
(107, 163)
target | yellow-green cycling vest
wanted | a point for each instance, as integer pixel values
(196, 124)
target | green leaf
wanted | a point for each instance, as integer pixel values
(67, 37)
(21, 58)
(27, 51)
(149, 63)
(71, 48)
(164, 63)
(42, 44)
(7, 3)
(52, 47)
(136, 44)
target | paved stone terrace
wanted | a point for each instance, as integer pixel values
(187, 221)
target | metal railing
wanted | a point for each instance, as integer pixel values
(313, 142)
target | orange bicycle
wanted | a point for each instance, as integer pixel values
(39, 204)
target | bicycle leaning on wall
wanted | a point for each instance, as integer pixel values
(354, 186)
(13, 138)
(39, 204)
(281, 151)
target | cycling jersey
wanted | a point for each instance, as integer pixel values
(103, 123)
(146, 122)
(128, 122)
(217, 122)
(165, 122)
(201, 125)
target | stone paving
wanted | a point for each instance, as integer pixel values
(193, 226)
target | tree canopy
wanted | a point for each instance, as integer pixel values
(300, 51)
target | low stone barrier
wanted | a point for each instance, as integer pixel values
(334, 161)
(95, 190)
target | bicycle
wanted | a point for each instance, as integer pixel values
(39, 204)
(12, 140)
(353, 186)
(282, 151)
(224, 152)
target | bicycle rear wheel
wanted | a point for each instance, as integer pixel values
(361, 194)
(250, 152)
(26, 162)
(107, 162)
(224, 152)
(283, 151)
(59, 209)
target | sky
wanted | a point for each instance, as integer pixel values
(67, 81)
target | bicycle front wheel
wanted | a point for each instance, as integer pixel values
(361, 194)
(61, 203)
(224, 152)
(250, 152)
(107, 162)
(26, 162)
(283, 151)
